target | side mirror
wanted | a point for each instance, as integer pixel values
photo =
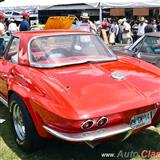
(139, 55)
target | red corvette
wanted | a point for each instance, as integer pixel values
(68, 85)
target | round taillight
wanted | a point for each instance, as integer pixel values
(87, 124)
(102, 121)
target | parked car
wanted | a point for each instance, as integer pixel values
(9, 14)
(67, 84)
(17, 15)
(13, 14)
(146, 48)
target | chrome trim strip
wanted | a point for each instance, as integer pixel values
(113, 58)
(4, 101)
(89, 135)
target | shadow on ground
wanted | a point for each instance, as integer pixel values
(146, 140)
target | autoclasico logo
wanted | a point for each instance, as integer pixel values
(150, 154)
(131, 154)
(120, 154)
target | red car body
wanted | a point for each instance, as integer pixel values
(60, 100)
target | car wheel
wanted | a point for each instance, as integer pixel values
(23, 128)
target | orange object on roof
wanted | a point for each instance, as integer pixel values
(59, 22)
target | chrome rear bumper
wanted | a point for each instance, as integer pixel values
(90, 135)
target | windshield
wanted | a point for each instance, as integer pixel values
(62, 50)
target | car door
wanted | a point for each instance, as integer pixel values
(7, 64)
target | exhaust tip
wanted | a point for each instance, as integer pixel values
(102, 121)
(87, 124)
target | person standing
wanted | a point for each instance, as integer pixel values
(116, 30)
(2, 27)
(119, 36)
(25, 26)
(134, 28)
(154, 24)
(113, 32)
(2, 32)
(85, 24)
(112, 36)
(149, 27)
(105, 25)
(126, 31)
(141, 27)
(12, 26)
(158, 26)
(104, 29)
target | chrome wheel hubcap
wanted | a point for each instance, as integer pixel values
(18, 122)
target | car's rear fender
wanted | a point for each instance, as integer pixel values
(24, 94)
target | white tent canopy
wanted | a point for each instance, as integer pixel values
(43, 3)
(104, 3)
(130, 3)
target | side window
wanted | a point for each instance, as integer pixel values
(151, 45)
(12, 52)
(137, 47)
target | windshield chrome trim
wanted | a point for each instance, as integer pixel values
(70, 64)
(136, 43)
(113, 58)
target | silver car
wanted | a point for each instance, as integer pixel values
(146, 48)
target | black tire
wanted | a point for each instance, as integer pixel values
(30, 141)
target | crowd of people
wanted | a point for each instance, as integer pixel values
(128, 31)
(9, 26)
(122, 30)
